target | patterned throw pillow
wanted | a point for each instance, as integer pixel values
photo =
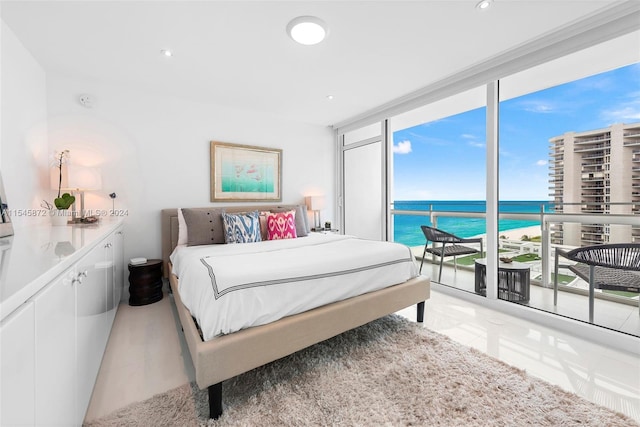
(241, 228)
(302, 228)
(282, 225)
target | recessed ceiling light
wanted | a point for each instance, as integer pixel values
(307, 30)
(484, 4)
(166, 52)
(329, 97)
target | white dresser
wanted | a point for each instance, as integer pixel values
(59, 292)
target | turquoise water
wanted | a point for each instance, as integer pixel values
(407, 227)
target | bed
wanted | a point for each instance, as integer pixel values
(232, 353)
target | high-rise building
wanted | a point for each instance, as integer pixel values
(596, 172)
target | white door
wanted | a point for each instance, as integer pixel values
(17, 367)
(118, 259)
(91, 322)
(364, 191)
(56, 353)
(109, 267)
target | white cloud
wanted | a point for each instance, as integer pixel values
(535, 106)
(476, 144)
(624, 112)
(623, 115)
(541, 163)
(403, 147)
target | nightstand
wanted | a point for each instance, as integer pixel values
(145, 282)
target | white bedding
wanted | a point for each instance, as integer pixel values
(231, 287)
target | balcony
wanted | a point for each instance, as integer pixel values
(573, 300)
(613, 309)
(588, 148)
(590, 140)
(593, 156)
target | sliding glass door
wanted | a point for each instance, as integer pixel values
(438, 180)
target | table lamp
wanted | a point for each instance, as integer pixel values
(78, 180)
(315, 204)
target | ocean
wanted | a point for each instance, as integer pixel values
(406, 228)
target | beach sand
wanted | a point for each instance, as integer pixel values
(517, 233)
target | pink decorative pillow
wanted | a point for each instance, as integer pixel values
(281, 225)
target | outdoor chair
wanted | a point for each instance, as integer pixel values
(609, 266)
(450, 246)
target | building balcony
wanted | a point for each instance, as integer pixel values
(588, 148)
(592, 167)
(599, 155)
(589, 227)
(610, 310)
(591, 139)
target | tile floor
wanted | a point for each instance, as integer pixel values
(147, 355)
(610, 314)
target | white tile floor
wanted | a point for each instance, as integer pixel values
(146, 354)
(612, 315)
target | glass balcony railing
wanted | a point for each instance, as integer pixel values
(529, 235)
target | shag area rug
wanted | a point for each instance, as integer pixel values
(391, 372)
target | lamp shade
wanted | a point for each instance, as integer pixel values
(81, 178)
(315, 203)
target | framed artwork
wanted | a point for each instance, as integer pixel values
(245, 173)
(6, 229)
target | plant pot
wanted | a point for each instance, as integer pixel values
(59, 217)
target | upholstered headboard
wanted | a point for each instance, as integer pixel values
(169, 225)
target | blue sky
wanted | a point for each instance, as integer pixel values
(445, 159)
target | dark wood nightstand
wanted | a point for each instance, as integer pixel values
(145, 282)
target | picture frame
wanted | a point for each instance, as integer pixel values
(245, 173)
(6, 228)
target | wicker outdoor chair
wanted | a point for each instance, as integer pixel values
(610, 266)
(450, 246)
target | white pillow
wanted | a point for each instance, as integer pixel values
(183, 236)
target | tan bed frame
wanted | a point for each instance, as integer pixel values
(230, 355)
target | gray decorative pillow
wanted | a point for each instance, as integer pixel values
(204, 226)
(241, 228)
(302, 228)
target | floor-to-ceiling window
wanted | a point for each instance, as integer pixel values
(569, 138)
(438, 178)
(554, 119)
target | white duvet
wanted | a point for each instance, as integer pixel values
(231, 287)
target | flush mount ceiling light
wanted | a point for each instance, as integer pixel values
(166, 52)
(307, 30)
(484, 4)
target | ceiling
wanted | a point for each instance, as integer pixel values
(237, 54)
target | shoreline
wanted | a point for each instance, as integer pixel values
(517, 233)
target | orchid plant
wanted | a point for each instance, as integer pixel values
(64, 201)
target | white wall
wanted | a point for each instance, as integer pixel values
(23, 142)
(154, 151)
